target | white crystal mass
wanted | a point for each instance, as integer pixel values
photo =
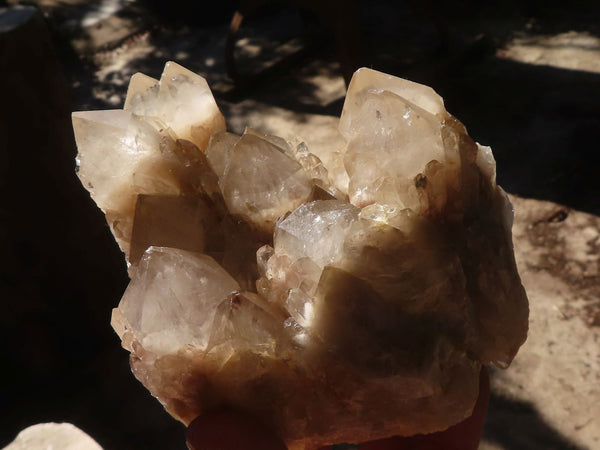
(338, 303)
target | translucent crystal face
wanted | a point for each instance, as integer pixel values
(173, 300)
(365, 80)
(393, 141)
(261, 182)
(345, 297)
(330, 220)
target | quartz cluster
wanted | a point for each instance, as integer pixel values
(337, 302)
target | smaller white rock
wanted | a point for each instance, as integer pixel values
(53, 436)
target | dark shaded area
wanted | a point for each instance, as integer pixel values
(62, 272)
(515, 424)
(541, 122)
(185, 12)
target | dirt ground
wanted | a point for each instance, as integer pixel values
(524, 77)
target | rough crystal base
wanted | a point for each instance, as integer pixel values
(337, 302)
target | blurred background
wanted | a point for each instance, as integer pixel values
(523, 76)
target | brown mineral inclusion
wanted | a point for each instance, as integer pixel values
(337, 302)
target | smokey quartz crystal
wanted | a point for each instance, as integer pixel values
(337, 303)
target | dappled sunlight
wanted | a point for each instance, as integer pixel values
(523, 77)
(572, 50)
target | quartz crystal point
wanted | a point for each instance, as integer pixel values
(337, 302)
(154, 146)
(181, 99)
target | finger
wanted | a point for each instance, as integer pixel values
(462, 436)
(228, 430)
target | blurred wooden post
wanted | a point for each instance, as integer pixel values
(60, 273)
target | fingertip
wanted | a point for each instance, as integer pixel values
(229, 430)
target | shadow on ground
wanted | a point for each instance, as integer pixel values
(541, 122)
(515, 424)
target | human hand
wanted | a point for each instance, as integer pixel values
(228, 430)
